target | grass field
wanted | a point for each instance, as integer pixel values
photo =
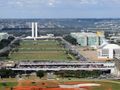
(40, 50)
(105, 85)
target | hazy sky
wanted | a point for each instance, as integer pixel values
(59, 8)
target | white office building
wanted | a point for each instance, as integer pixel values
(3, 36)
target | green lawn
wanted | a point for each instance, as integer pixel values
(40, 50)
(40, 55)
(40, 44)
(3, 85)
(107, 86)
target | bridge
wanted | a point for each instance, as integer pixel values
(57, 66)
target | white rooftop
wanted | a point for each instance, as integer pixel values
(3, 33)
(110, 46)
(84, 34)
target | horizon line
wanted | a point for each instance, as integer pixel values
(67, 18)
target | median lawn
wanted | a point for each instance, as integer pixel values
(40, 50)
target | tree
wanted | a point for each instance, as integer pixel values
(4, 43)
(5, 73)
(79, 73)
(40, 73)
(70, 39)
(11, 38)
(60, 73)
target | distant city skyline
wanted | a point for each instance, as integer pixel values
(59, 8)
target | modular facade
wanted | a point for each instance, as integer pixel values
(88, 39)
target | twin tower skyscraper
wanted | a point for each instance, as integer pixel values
(34, 30)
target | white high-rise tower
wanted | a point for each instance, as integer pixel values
(34, 30)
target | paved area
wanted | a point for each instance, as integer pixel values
(90, 54)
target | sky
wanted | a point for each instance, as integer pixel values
(59, 8)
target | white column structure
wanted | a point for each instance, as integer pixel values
(32, 29)
(36, 30)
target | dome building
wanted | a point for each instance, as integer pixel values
(109, 51)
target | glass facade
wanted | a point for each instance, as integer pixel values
(82, 41)
(92, 41)
(88, 39)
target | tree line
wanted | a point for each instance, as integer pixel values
(6, 42)
(79, 74)
(8, 45)
(70, 39)
(6, 73)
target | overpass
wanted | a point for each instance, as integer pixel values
(57, 66)
(59, 69)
